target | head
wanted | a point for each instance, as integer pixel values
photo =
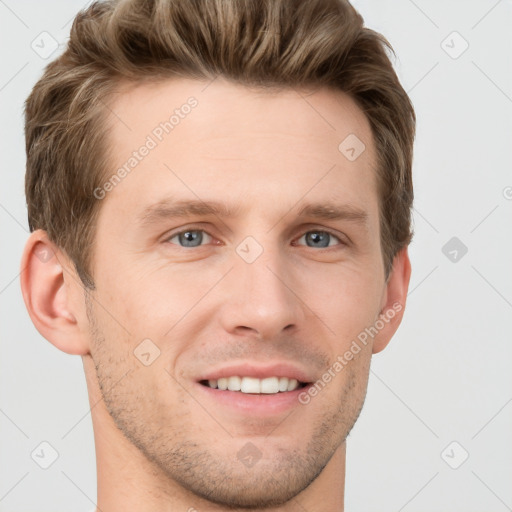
(221, 186)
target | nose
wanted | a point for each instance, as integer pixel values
(262, 298)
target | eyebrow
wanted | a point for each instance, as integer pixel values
(330, 211)
(168, 209)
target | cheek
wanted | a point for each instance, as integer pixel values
(162, 312)
(347, 303)
(140, 301)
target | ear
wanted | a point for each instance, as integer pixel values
(47, 283)
(393, 301)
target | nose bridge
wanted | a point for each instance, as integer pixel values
(260, 289)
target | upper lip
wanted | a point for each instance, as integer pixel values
(258, 371)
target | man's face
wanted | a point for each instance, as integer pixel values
(265, 292)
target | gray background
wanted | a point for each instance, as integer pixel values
(444, 378)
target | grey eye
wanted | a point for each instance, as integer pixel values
(190, 238)
(319, 238)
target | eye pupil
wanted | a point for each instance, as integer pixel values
(319, 238)
(188, 238)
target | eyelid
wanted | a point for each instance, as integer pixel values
(325, 230)
(180, 231)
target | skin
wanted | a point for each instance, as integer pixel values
(162, 442)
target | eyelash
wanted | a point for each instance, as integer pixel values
(192, 228)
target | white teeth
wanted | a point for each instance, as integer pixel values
(269, 385)
(250, 385)
(292, 384)
(234, 383)
(222, 384)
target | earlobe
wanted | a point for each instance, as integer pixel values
(394, 299)
(45, 289)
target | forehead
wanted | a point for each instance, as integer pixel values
(188, 138)
(223, 106)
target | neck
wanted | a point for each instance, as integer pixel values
(127, 480)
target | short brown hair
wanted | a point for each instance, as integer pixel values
(262, 43)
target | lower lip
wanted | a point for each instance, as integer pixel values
(260, 404)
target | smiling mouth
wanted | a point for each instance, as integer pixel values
(252, 385)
